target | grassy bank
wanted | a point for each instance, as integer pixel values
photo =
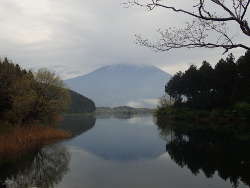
(231, 122)
(239, 113)
(19, 140)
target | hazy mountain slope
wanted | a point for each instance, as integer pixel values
(121, 84)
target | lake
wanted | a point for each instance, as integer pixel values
(130, 152)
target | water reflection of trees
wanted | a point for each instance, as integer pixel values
(44, 170)
(77, 124)
(209, 152)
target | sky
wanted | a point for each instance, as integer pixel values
(75, 37)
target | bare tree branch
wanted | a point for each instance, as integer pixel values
(245, 10)
(193, 35)
(196, 34)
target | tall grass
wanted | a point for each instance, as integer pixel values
(23, 139)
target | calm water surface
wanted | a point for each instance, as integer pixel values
(134, 153)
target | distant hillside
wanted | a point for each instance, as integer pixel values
(80, 104)
(122, 85)
(122, 112)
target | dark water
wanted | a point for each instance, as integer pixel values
(134, 153)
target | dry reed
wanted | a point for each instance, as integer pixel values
(23, 139)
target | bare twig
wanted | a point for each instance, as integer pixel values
(196, 34)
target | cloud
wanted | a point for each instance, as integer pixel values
(144, 103)
(81, 36)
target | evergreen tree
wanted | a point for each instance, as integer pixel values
(25, 97)
(243, 68)
(207, 88)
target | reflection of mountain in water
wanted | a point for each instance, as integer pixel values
(210, 153)
(77, 124)
(43, 169)
(122, 139)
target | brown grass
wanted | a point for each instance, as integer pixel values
(23, 139)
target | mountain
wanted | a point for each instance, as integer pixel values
(80, 103)
(122, 84)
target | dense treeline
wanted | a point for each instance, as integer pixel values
(80, 104)
(207, 88)
(27, 97)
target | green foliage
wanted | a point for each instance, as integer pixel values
(26, 97)
(52, 98)
(210, 88)
(242, 109)
(80, 104)
(174, 87)
(243, 66)
(164, 110)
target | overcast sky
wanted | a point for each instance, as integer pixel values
(74, 37)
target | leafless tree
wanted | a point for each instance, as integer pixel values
(208, 29)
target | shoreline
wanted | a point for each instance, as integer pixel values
(21, 140)
(220, 116)
(217, 121)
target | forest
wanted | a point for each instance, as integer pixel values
(207, 88)
(224, 87)
(30, 104)
(27, 97)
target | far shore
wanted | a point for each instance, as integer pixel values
(123, 110)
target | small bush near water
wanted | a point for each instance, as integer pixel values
(242, 109)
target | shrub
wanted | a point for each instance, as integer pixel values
(242, 110)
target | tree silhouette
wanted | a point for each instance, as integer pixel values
(207, 88)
